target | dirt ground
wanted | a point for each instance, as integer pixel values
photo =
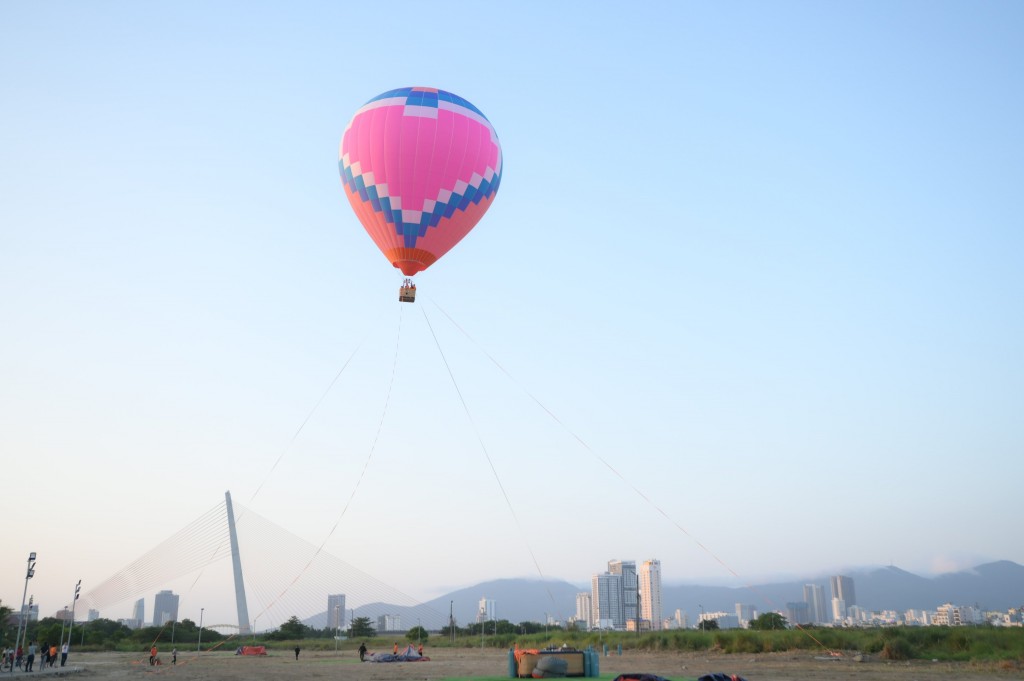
(447, 664)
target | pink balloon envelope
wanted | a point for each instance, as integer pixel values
(420, 168)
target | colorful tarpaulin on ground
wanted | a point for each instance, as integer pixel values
(410, 655)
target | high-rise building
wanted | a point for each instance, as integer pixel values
(842, 587)
(335, 611)
(93, 615)
(584, 610)
(798, 612)
(745, 614)
(389, 623)
(606, 601)
(139, 614)
(838, 610)
(630, 596)
(650, 592)
(815, 600)
(485, 611)
(681, 620)
(165, 608)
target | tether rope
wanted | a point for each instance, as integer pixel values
(490, 461)
(305, 421)
(619, 475)
(362, 473)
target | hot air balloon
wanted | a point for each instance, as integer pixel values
(420, 168)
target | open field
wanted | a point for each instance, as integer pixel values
(489, 664)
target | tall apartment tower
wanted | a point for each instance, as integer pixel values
(139, 613)
(485, 610)
(606, 601)
(650, 592)
(584, 610)
(745, 613)
(630, 595)
(842, 590)
(815, 600)
(335, 611)
(165, 608)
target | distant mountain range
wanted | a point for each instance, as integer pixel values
(992, 586)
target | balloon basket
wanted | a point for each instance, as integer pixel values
(407, 293)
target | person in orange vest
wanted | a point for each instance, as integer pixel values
(396, 647)
(420, 650)
(152, 655)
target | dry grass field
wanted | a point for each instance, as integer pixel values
(490, 664)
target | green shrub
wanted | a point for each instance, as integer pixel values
(896, 649)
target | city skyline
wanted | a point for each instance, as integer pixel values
(951, 613)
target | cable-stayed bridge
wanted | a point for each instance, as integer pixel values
(274, 575)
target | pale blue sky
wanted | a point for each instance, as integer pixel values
(764, 258)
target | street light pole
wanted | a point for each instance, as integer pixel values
(71, 627)
(28, 575)
(63, 623)
(701, 616)
(337, 627)
(199, 648)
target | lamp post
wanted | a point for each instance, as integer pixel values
(28, 575)
(63, 623)
(74, 602)
(337, 627)
(174, 623)
(451, 619)
(199, 648)
(701, 616)
(254, 619)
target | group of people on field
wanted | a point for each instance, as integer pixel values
(154, 656)
(16, 659)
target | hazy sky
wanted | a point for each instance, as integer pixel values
(763, 258)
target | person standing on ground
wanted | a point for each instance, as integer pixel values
(396, 647)
(362, 651)
(152, 655)
(63, 654)
(420, 650)
(53, 654)
(174, 656)
(30, 660)
(297, 649)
